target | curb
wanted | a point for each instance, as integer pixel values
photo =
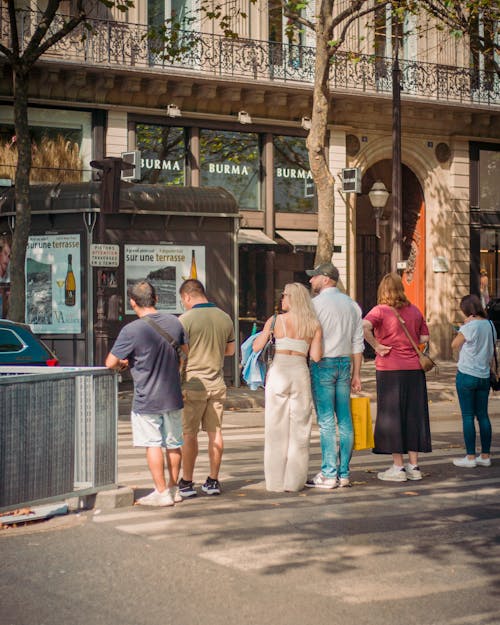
(121, 497)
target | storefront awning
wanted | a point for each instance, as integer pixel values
(299, 238)
(250, 236)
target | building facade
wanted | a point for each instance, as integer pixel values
(235, 113)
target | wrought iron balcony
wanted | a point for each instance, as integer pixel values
(124, 45)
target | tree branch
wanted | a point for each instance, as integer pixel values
(348, 22)
(13, 28)
(35, 50)
(7, 52)
(296, 17)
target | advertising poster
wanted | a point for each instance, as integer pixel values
(166, 267)
(53, 284)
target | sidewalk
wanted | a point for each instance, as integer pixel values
(440, 388)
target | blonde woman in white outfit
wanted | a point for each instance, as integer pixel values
(288, 412)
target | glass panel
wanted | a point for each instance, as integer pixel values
(156, 13)
(232, 160)
(489, 180)
(163, 150)
(293, 183)
(490, 263)
(55, 153)
(9, 341)
(182, 14)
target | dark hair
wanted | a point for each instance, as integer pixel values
(471, 305)
(192, 287)
(143, 293)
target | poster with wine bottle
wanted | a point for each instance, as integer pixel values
(53, 286)
(166, 267)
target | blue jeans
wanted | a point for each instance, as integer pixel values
(473, 398)
(331, 389)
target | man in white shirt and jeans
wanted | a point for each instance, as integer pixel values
(331, 377)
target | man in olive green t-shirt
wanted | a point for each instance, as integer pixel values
(211, 337)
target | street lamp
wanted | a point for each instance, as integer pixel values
(378, 195)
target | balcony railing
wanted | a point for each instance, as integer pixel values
(124, 45)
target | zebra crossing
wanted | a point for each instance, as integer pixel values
(243, 486)
(442, 526)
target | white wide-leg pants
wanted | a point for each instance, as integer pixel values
(288, 419)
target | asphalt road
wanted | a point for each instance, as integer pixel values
(417, 553)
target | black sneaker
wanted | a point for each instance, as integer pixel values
(211, 487)
(186, 489)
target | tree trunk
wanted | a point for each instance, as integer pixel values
(316, 145)
(23, 208)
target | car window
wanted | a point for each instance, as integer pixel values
(9, 341)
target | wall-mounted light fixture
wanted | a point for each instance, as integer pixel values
(173, 111)
(378, 195)
(244, 118)
(305, 122)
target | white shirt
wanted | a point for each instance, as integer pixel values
(340, 319)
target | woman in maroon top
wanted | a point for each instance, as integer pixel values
(402, 425)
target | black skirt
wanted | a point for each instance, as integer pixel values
(402, 423)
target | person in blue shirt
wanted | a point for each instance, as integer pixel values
(476, 341)
(157, 405)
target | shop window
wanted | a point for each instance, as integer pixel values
(59, 148)
(293, 184)
(163, 154)
(489, 283)
(55, 154)
(232, 160)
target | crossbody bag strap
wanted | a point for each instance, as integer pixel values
(403, 325)
(163, 333)
(273, 323)
(494, 348)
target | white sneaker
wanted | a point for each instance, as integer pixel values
(175, 494)
(320, 481)
(465, 462)
(157, 499)
(344, 482)
(393, 474)
(413, 473)
(483, 462)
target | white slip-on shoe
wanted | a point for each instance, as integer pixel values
(157, 499)
(483, 462)
(465, 462)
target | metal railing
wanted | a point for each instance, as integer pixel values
(58, 433)
(125, 45)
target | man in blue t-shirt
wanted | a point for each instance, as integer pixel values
(145, 345)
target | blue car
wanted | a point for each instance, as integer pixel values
(19, 346)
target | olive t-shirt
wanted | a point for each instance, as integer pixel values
(153, 363)
(209, 330)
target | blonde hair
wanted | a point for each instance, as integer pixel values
(301, 310)
(391, 291)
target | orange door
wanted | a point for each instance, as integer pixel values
(414, 275)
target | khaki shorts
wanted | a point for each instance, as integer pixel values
(203, 408)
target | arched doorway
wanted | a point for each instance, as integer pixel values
(373, 254)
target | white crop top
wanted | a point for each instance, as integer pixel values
(294, 345)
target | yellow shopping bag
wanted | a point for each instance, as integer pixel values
(362, 423)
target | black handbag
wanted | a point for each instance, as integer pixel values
(494, 380)
(267, 353)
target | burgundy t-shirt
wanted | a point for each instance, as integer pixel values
(388, 331)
